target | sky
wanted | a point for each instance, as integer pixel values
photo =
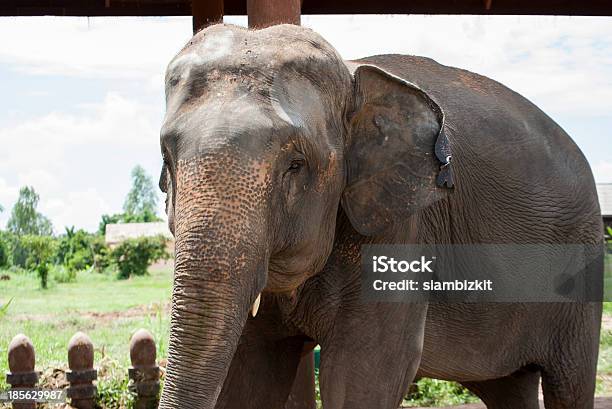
(83, 99)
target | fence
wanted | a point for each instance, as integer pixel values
(144, 372)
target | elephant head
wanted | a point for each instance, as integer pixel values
(267, 135)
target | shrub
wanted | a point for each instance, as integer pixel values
(39, 252)
(42, 270)
(19, 252)
(434, 392)
(4, 251)
(62, 274)
(134, 256)
(101, 254)
(75, 250)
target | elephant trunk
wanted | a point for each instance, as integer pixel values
(220, 270)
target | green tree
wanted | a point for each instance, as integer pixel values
(24, 217)
(75, 249)
(110, 219)
(140, 204)
(142, 199)
(40, 251)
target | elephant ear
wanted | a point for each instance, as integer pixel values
(397, 154)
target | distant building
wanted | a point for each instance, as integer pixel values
(116, 233)
(604, 191)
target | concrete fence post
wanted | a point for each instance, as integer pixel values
(144, 371)
(21, 360)
(82, 391)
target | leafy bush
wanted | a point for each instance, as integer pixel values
(433, 392)
(4, 250)
(42, 270)
(27, 251)
(39, 251)
(18, 252)
(102, 254)
(75, 250)
(62, 274)
(134, 256)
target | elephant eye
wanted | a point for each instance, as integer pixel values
(296, 165)
(164, 178)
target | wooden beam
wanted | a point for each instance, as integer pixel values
(265, 13)
(238, 7)
(206, 12)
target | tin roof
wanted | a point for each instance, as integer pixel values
(116, 233)
(604, 192)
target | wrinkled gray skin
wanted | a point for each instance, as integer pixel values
(281, 160)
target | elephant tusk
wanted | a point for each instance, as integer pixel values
(255, 306)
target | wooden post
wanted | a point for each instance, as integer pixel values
(144, 372)
(265, 13)
(206, 12)
(82, 391)
(21, 360)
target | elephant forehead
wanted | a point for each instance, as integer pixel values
(250, 56)
(219, 125)
(212, 48)
(220, 51)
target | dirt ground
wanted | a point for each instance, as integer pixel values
(600, 403)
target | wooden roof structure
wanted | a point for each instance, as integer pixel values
(268, 12)
(239, 7)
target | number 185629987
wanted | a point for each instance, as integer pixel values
(38, 395)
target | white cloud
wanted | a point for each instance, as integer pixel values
(79, 163)
(44, 142)
(94, 47)
(76, 209)
(8, 195)
(563, 64)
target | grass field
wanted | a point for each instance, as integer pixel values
(107, 309)
(110, 310)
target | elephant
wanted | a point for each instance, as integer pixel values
(281, 161)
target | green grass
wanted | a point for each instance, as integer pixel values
(107, 309)
(92, 292)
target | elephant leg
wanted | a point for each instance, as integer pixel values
(568, 387)
(519, 390)
(371, 355)
(261, 374)
(569, 372)
(302, 394)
